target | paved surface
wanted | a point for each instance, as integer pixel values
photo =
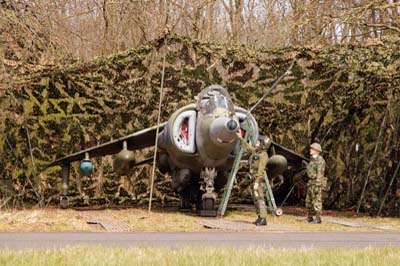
(170, 240)
(358, 224)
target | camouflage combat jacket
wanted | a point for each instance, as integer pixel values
(316, 170)
(258, 159)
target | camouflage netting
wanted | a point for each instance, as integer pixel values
(347, 97)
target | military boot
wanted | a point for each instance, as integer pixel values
(262, 222)
(310, 218)
(317, 220)
(258, 219)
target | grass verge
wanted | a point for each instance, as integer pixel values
(80, 256)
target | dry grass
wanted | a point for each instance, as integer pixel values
(54, 219)
(42, 220)
(81, 256)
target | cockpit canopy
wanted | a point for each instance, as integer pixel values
(215, 97)
(217, 101)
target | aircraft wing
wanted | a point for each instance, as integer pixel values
(138, 140)
(293, 158)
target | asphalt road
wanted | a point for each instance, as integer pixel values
(171, 240)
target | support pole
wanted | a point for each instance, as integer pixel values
(276, 83)
(387, 191)
(270, 195)
(371, 163)
(158, 129)
(232, 176)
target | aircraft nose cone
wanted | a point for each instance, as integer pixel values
(222, 131)
(232, 125)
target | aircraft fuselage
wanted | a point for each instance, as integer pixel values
(200, 136)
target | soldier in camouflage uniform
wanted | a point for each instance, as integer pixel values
(315, 172)
(258, 161)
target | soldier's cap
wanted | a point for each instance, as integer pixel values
(316, 146)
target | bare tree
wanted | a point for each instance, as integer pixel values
(88, 28)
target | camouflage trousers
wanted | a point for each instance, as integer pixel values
(314, 199)
(257, 191)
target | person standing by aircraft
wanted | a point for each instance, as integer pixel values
(258, 161)
(316, 179)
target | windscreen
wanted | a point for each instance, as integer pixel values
(218, 101)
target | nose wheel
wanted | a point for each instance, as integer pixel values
(209, 197)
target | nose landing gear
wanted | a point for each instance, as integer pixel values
(209, 197)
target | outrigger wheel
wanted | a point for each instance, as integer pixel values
(278, 211)
(64, 202)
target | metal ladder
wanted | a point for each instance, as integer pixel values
(232, 177)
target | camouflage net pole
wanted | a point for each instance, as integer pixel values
(371, 163)
(276, 83)
(158, 128)
(388, 189)
(35, 187)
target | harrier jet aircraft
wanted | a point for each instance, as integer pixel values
(197, 146)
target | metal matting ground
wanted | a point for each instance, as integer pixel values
(110, 224)
(242, 225)
(358, 224)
